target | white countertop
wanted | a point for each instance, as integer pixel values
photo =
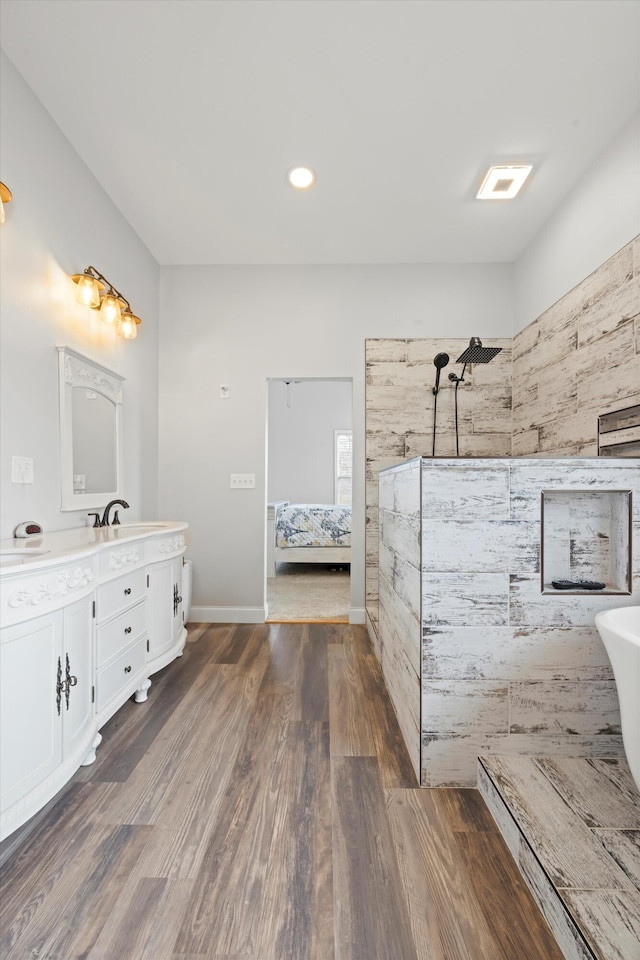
(33, 553)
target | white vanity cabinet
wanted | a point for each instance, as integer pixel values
(87, 617)
(165, 605)
(78, 694)
(46, 701)
(121, 639)
(30, 731)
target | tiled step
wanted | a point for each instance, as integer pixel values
(573, 827)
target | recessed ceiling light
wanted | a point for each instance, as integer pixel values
(504, 182)
(301, 177)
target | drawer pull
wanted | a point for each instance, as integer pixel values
(127, 629)
(127, 591)
(127, 669)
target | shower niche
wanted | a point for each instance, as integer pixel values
(586, 535)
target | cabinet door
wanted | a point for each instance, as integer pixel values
(176, 576)
(77, 705)
(30, 724)
(160, 607)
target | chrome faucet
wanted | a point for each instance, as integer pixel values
(105, 516)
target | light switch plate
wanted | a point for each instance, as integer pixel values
(22, 470)
(242, 481)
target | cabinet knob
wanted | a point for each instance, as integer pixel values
(127, 591)
(127, 629)
(178, 599)
(72, 681)
(127, 669)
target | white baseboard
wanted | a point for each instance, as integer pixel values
(357, 615)
(227, 615)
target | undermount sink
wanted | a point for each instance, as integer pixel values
(140, 527)
(20, 555)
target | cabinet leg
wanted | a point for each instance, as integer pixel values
(141, 692)
(91, 755)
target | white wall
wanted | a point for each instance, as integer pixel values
(598, 217)
(59, 221)
(301, 438)
(242, 325)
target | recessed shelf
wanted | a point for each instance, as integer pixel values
(619, 433)
(586, 535)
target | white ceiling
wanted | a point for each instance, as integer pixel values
(190, 112)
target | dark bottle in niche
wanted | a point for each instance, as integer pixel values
(577, 584)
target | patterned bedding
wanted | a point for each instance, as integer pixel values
(313, 525)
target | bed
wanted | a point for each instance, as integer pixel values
(307, 533)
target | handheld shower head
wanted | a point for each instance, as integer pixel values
(476, 353)
(440, 360)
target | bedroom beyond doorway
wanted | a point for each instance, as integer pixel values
(309, 478)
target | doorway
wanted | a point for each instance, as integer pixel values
(309, 480)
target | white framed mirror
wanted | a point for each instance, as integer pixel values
(91, 411)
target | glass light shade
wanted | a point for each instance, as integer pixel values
(5, 196)
(128, 326)
(88, 291)
(110, 309)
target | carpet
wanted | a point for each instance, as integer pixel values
(308, 591)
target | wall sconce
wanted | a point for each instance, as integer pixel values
(113, 307)
(5, 197)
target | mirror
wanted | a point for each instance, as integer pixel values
(90, 431)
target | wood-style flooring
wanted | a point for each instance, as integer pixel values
(261, 806)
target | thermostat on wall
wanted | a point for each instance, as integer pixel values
(28, 529)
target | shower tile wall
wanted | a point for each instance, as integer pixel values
(505, 668)
(579, 359)
(399, 416)
(400, 598)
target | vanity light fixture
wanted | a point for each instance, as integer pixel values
(113, 306)
(5, 197)
(301, 178)
(503, 182)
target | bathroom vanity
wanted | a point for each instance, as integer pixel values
(88, 616)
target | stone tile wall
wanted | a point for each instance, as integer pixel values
(397, 641)
(579, 359)
(399, 416)
(506, 668)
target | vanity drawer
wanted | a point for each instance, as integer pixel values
(114, 678)
(117, 595)
(118, 634)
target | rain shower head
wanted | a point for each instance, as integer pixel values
(476, 353)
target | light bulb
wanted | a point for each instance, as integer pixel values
(88, 291)
(110, 309)
(128, 327)
(301, 178)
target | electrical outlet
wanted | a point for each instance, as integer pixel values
(22, 470)
(242, 481)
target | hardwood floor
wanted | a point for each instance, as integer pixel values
(261, 806)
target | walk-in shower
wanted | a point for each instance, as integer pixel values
(475, 353)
